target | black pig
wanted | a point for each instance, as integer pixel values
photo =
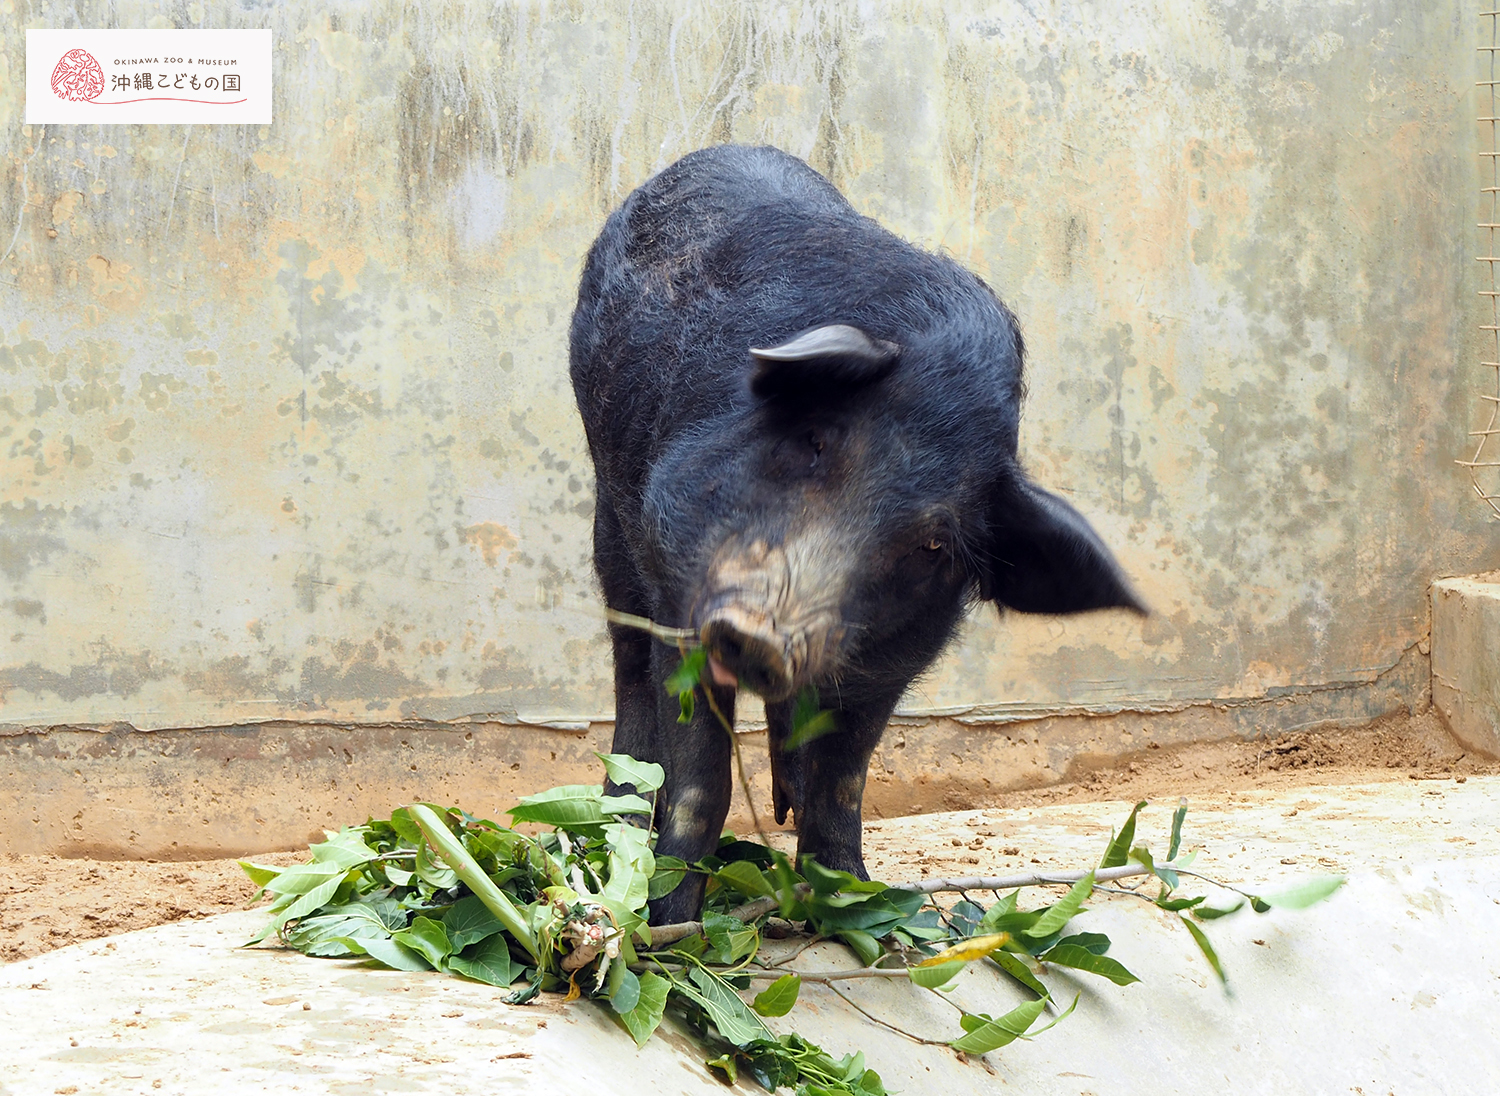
(804, 434)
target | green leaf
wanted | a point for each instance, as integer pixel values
(468, 921)
(1305, 894)
(732, 848)
(395, 954)
(1142, 855)
(435, 875)
(623, 804)
(409, 832)
(1063, 910)
(688, 673)
(566, 807)
(1059, 1018)
(344, 850)
(966, 917)
(778, 998)
(745, 878)
(990, 922)
(669, 872)
(729, 936)
(736, 1023)
(427, 938)
(624, 988)
(1209, 913)
(312, 900)
(329, 933)
(259, 874)
(935, 977)
(488, 961)
(925, 925)
(630, 866)
(863, 944)
(809, 721)
(988, 1035)
(1118, 851)
(643, 1019)
(644, 776)
(725, 1064)
(470, 872)
(686, 706)
(1206, 948)
(1177, 904)
(1080, 958)
(1177, 818)
(876, 914)
(785, 880)
(1095, 942)
(827, 881)
(1017, 969)
(303, 878)
(1259, 905)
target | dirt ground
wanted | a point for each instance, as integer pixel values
(47, 902)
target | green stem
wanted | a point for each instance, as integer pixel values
(464, 865)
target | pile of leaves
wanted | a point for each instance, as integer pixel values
(565, 910)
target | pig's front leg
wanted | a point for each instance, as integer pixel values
(833, 786)
(697, 757)
(786, 767)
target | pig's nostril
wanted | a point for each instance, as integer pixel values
(758, 661)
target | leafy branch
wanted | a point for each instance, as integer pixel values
(564, 910)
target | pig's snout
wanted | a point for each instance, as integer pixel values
(751, 652)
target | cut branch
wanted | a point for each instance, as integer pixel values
(674, 636)
(670, 934)
(1032, 879)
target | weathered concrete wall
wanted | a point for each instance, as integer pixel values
(286, 427)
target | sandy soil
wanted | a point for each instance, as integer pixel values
(47, 902)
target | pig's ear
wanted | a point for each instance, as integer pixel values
(834, 356)
(1045, 558)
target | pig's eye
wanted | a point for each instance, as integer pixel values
(934, 545)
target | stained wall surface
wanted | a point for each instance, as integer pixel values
(284, 416)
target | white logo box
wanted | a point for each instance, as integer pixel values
(163, 77)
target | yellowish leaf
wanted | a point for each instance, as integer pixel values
(966, 951)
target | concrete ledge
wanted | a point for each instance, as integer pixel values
(1466, 658)
(121, 793)
(200, 793)
(1389, 987)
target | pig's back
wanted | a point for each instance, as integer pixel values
(728, 248)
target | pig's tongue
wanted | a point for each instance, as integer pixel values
(722, 674)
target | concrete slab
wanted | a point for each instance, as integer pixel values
(1466, 658)
(1392, 986)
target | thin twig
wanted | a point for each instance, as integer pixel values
(1034, 879)
(803, 946)
(739, 761)
(825, 977)
(670, 934)
(667, 934)
(1127, 892)
(888, 1026)
(1215, 882)
(675, 636)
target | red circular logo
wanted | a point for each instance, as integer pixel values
(77, 76)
